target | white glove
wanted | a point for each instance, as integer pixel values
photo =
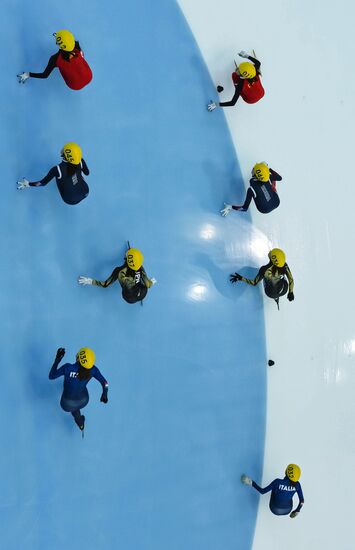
(226, 210)
(84, 280)
(22, 77)
(246, 480)
(211, 106)
(243, 53)
(23, 184)
(153, 281)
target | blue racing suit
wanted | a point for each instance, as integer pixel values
(282, 493)
(75, 394)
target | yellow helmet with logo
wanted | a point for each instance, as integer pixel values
(72, 153)
(86, 358)
(65, 40)
(293, 472)
(247, 70)
(261, 171)
(134, 258)
(277, 257)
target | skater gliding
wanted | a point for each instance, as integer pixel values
(75, 395)
(273, 275)
(282, 491)
(68, 174)
(262, 190)
(247, 83)
(131, 276)
(70, 61)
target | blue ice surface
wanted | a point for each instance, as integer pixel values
(160, 465)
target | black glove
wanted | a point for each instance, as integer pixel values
(234, 278)
(104, 398)
(60, 354)
(290, 297)
(220, 89)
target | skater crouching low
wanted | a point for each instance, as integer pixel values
(282, 491)
(247, 83)
(262, 191)
(131, 276)
(68, 175)
(273, 275)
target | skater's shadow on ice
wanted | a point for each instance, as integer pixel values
(219, 276)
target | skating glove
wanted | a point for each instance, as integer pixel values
(235, 277)
(60, 354)
(84, 280)
(22, 77)
(294, 514)
(220, 89)
(23, 184)
(246, 480)
(243, 53)
(290, 296)
(153, 281)
(211, 106)
(104, 398)
(226, 210)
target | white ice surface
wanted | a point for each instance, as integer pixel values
(304, 128)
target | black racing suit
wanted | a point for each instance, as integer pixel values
(274, 279)
(71, 184)
(264, 194)
(134, 284)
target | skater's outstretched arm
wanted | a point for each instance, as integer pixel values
(258, 278)
(237, 92)
(53, 172)
(261, 490)
(112, 278)
(249, 196)
(55, 372)
(52, 63)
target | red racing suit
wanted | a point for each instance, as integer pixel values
(252, 90)
(75, 71)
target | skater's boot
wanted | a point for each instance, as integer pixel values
(79, 420)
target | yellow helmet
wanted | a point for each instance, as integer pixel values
(261, 171)
(72, 153)
(247, 70)
(86, 358)
(277, 257)
(293, 472)
(134, 258)
(65, 40)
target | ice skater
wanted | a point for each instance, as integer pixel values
(70, 61)
(68, 174)
(273, 275)
(131, 276)
(262, 190)
(282, 491)
(75, 395)
(247, 83)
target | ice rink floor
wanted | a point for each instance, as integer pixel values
(159, 466)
